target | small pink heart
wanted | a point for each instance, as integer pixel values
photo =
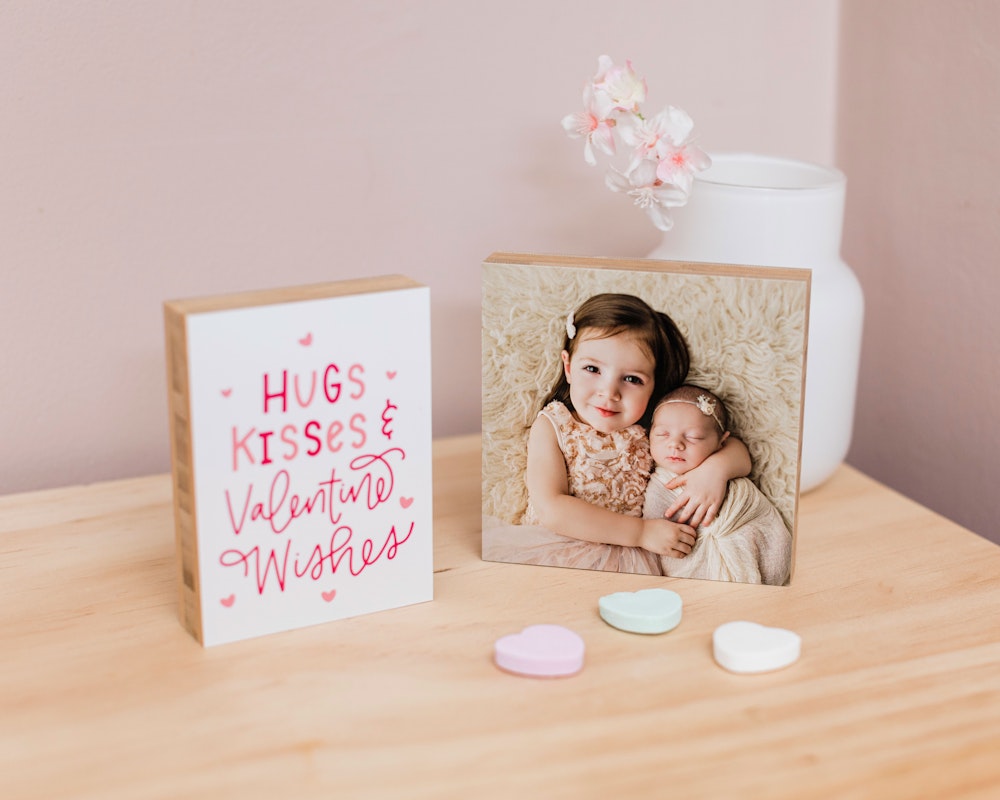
(406, 502)
(228, 601)
(544, 651)
(328, 596)
(306, 340)
(226, 392)
(390, 374)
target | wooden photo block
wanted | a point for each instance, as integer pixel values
(576, 360)
(300, 424)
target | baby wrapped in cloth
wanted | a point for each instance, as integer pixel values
(747, 542)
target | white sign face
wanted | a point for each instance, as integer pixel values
(311, 451)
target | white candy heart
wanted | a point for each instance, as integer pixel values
(747, 647)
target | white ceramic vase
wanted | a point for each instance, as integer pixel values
(765, 211)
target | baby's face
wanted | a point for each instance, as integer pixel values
(681, 437)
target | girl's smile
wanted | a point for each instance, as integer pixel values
(610, 380)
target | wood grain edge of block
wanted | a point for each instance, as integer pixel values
(292, 294)
(182, 471)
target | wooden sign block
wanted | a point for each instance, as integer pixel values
(301, 446)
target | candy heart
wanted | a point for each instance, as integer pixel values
(747, 647)
(544, 651)
(645, 611)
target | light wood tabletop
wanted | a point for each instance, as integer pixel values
(103, 693)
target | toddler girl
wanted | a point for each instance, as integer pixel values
(588, 453)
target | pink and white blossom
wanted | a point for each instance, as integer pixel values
(648, 192)
(664, 158)
(592, 126)
(622, 88)
(679, 158)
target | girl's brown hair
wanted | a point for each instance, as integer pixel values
(612, 314)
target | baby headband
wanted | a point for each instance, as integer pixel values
(705, 404)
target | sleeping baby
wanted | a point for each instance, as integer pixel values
(748, 541)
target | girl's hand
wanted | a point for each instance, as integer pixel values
(666, 538)
(704, 491)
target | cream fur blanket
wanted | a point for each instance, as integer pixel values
(747, 542)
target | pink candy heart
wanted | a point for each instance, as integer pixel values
(543, 651)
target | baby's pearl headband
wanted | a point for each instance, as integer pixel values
(705, 404)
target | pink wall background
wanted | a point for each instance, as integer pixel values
(918, 122)
(160, 150)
